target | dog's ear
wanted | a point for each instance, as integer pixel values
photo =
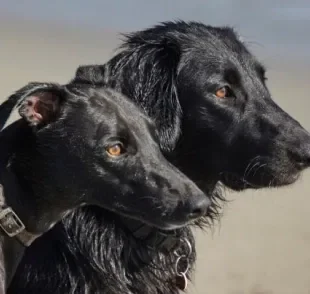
(148, 69)
(89, 74)
(41, 105)
(38, 103)
(169, 111)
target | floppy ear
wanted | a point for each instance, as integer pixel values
(38, 103)
(169, 111)
(149, 69)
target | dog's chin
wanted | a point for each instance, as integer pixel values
(263, 180)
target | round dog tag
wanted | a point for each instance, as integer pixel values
(181, 281)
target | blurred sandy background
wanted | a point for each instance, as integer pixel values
(262, 245)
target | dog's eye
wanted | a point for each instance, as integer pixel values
(223, 92)
(116, 150)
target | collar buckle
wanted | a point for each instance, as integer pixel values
(10, 223)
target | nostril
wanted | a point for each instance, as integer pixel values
(196, 213)
(301, 158)
(199, 208)
(174, 191)
(307, 156)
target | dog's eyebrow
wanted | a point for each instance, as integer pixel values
(232, 76)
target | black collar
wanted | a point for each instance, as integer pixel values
(155, 239)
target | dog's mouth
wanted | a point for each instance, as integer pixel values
(164, 224)
(265, 178)
(171, 223)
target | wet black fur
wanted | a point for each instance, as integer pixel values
(245, 140)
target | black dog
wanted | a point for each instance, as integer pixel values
(216, 121)
(84, 148)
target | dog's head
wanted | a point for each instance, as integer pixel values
(208, 97)
(251, 140)
(90, 145)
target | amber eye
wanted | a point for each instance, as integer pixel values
(115, 150)
(221, 93)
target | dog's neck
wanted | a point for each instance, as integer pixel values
(22, 174)
(19, 230)
(11, 249)
(37, 214)
(35, 205)
(13, 196)
(21, 219)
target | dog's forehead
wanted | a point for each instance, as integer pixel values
(109, 105)
(243, 65)
(217, 43)
(228, 58)
(217, 39)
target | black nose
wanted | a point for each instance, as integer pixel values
(305, 158)
(301, 152)
(303, 161)
(198, 208)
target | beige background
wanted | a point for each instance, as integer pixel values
(262, 243)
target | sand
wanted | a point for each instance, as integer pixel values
(262, 245)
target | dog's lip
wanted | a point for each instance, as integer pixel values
(301, 166)
(162, 225)
(172, 227)
(157, 221)
(239, 183)
(168, 225)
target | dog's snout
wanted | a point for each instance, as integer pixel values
(198, 208)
